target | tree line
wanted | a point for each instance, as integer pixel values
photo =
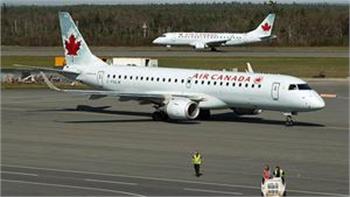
(138, 25)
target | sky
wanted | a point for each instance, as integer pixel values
(74, 2)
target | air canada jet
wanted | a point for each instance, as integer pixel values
(182, 94)
(202, 40)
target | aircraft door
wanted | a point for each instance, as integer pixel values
(275, 91)
(100, 77)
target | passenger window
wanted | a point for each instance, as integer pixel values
(157, 78)
(196, 82)
(137, 77)
(202, 82)
(182, 80)
(240, 85)
(175, 80)
(169, 80)
(108, 76)
(113, 76)
(234, 84)
(246, 85)
(130, 77)
(163, 79)
(208, 82)
(152, 78)
(141, 78)
(253, 85)
(118, 76)
(227, 84)
(220, 83)
(125, 77)
(259, 86)
(292, 87)
(147, 78)
(214, 83)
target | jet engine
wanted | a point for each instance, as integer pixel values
(199, 46)
(246, 111)
(182, 109)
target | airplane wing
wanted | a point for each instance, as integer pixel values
(96, 94)
(217, 42)
(213, 43)
(268, 37)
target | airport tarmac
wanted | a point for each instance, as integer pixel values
(154, 51)
(50, 148)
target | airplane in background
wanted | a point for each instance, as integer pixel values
(202, 40)
(182, 94)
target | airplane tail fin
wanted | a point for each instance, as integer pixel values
(265, 28)
(75, 47)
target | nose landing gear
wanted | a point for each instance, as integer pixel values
(289, 118)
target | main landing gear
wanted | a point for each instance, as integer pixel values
(159, 116)
(204, 114)
(213, 49)
(289, 118)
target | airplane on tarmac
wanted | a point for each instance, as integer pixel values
(182, 94)
(202, 40)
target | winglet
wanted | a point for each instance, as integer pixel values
(48, 82)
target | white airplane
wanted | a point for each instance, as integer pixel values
(202, 40)
(182, 94)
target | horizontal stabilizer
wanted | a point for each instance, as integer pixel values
(68, 74)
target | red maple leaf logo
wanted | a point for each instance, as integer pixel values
(258, 80)
(72, 46)
(266, 27)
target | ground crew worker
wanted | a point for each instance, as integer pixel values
(266, 174)
(197, 161)
(278, 172)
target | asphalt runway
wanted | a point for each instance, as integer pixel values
(49, 148)
(155, 51)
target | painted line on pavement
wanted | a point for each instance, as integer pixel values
(212, 191)
(74, 187)
(19, 173)
(106, 181)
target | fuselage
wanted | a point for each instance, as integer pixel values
(220, 89)
(197, 38)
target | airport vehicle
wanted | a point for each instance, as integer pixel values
(274, 187)
(130, 61)
(202, 40)
(182, 94)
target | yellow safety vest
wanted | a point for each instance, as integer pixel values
(197, 159)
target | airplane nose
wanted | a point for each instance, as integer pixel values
(318, 104)
(155, 41)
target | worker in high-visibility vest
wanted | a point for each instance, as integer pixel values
(197, 161)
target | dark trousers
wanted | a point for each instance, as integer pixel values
(196, 169)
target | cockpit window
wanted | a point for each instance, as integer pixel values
(292, 87)
(304, 87)
(163, 35)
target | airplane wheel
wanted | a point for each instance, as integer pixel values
(159, 116)
(164, 116)
(204, 114)
(156, 116)
(289, 121)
